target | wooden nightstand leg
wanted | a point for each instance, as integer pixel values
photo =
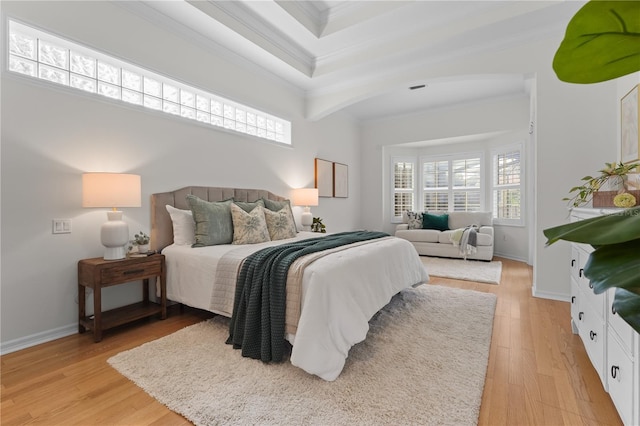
(97, 313)
(81, 308)
(145, 290)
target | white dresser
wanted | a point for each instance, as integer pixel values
(612, 345)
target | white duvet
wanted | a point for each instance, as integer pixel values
(340, 293)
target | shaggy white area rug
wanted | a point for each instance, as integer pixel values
(460, 269)
(423, 362)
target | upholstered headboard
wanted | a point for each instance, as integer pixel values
(161, 226)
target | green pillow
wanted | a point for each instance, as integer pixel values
(213, 221)
(247, 207)
(435, 221)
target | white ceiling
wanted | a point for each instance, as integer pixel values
(327, 47)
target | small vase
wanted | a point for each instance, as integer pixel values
(614, 183)
(143, 248)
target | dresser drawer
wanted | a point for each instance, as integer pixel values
(575, 304)
(620, 326)
(119, 274)
(620, 375)
(591, 330)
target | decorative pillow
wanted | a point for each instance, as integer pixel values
(276, 206)
(213, 224)
(184, 228)
(280, 224)
(434, 221)
(414, 220)
(249, 228)
(247, 207)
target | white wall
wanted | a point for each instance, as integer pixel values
(574, 135)
(51, 135)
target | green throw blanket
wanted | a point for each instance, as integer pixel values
(258, 320)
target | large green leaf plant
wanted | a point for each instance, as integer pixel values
(602, 42)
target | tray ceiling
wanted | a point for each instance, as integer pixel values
(328, 48)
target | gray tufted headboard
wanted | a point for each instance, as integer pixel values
(161, 226)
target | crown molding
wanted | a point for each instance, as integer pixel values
(248, 24)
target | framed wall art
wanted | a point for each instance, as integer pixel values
(340, 180)
(324, 177)
(629, 134)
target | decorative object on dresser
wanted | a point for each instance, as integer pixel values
(405, 372)
(98, 273)
(612, 345)
(612, 180)
(112, 190)
(306, 197)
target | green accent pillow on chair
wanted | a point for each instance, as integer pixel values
(435, 221)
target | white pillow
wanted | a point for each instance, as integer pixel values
(184, 232)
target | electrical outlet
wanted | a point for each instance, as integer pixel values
(61, 226)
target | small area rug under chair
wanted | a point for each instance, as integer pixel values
(423, 362)
(460, 269)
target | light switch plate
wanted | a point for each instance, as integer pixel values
(61, 226)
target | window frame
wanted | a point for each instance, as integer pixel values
(505, 149)
(393, 191)
(450, 158)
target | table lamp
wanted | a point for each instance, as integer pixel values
(305, 197)
(112, 190)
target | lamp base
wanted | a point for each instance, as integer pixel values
(114, 235)
(306, 219)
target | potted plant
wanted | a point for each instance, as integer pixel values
(318, 226)
(142, 241)
(611, 52)
(613, 178)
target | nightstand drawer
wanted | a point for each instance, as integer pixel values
(125, 273)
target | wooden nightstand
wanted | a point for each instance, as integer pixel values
(97, 273)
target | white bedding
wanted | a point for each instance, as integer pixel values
(340, 293)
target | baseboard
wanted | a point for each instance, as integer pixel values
(510, 257)
(38, 338)
(548, 295)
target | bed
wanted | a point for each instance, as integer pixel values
(339, 291)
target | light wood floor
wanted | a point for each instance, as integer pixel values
(538, 372)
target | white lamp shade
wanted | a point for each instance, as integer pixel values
(305, 197)
(111, 190)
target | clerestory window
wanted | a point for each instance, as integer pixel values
(43, 56)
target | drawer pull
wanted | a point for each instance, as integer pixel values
(581, 272)
(580, 315)
(573, 300)
(614, 371)
(613, 310)
(573, 262)
(133, 272)
(592, 335)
